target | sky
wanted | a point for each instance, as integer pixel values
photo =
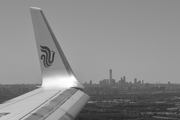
(135, 38)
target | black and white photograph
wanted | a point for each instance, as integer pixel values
(90, 60)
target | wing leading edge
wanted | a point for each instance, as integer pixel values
(60, 97)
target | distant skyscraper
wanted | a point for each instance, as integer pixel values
(169, 83)
(90, 82)
(124, 79)
(135, 80)
(142, 81)
(120, 81)
(110, 76)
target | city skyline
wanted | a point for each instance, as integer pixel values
(137, 39)
(122, 80)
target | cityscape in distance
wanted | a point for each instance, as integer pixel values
(111, 86)
(137, 100)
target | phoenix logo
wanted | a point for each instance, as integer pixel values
(47, 57)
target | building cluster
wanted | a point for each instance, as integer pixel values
(113, 82)
(110, 86)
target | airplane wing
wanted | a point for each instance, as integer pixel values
(60, 97)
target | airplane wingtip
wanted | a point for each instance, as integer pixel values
(35, 8)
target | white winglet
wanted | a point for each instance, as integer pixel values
(56, 71)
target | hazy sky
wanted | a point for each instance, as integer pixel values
(136, 38)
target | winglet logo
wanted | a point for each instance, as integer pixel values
(47, 57)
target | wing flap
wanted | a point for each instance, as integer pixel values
(49, 107)
(66, 104)
(70, 108)
(75, 104)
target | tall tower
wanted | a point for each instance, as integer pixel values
(110, 76)
(124, 79)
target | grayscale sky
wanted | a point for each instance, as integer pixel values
(136, 38)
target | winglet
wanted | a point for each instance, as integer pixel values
(56, 71)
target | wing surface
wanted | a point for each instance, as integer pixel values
(60, 97)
